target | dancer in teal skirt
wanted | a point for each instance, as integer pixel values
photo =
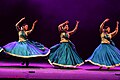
(106, 54)
(64, 54)
(25, 48)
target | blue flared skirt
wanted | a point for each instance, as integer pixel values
(64, 54)
(26, 49)
(105, 55)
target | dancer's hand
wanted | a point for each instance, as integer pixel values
(106, 20)
(117, 22)
(77, 21)
(35, 21)
(67, 22)
(23, 18)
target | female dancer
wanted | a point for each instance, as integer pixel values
(106, 54)
(25, 48)
(64, 54)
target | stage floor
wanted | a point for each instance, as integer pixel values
(15, 70)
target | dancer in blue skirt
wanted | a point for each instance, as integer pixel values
(106, 54)
(25, 48)
(64, 54)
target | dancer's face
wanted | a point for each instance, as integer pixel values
(25, 27)
(66, 28)
(108, 29)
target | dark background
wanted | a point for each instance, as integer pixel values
(51, 13)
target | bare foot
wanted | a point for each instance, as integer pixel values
(108, 68)
(100, 68)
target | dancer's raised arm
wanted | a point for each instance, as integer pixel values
(76, 27)
(17, 24)
(61, 25)
(33, 26)
(102, 25)
(116, 29)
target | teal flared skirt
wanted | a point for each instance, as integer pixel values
(105, 55)
(64, 54)
(26, 49)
